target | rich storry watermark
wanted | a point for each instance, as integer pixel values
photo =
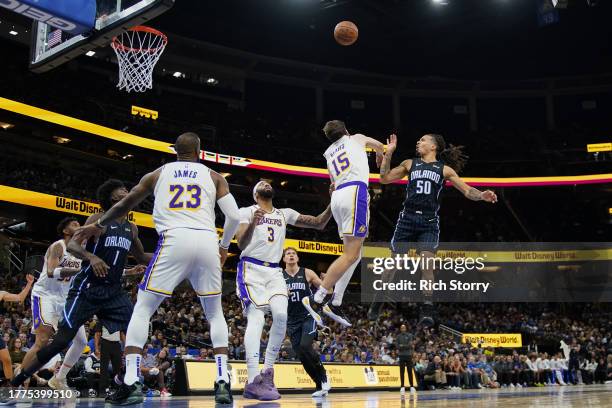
(489, 272)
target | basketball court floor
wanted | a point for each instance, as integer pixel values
(574, 396)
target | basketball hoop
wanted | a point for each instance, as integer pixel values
(138, 50)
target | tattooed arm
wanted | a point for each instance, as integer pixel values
(469, 192)
(309, 221)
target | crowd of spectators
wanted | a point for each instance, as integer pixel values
(179, 330)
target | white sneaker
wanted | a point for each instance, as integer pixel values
(319, 393)
(402, 391)
(317, 317)
(511, 385)
(58, 383)
(518, 385)
(164, 393)
(326, 386)
(412, 390)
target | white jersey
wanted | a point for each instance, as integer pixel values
(347, 161)
(268, 240)
(52, 287)
(185, 197)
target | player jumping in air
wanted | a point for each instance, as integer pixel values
(347, 163)
(301, 327)
(184, 214)
(260, 283)
(419, 221)
(96, 288)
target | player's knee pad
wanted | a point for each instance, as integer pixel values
(213, 311)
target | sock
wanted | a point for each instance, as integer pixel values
(343, 283)
(320, 294)
(252, 340)
(132, 369)
(278, 307)
(73, 354)
(222, 374)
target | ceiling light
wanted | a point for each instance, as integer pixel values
(177, 74)
(61, 140)
(6, 126)
(212, 81)
(90, 53)
(128, 156)
(13, 32)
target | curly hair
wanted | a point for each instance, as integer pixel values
(105, 191)
(452, 155)
(63, 223)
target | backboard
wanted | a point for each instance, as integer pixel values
(51, 47)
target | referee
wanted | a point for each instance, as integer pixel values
(301, 327)
(405, 349)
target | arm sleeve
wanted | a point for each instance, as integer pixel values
(245, 215)
(290, 215)
(228, 205)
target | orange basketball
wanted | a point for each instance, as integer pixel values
(346, 33)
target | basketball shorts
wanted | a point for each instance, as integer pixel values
(184, 254)
(110, 303)
(302, 332)
(415, 230)
(350, 208)
(46, 311)
(257, 282)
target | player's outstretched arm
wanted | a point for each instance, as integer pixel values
(388, 175)
(309, 221)
(312, 278)
(373, 144)
(469, 192)
(21, 296)
(227, 204)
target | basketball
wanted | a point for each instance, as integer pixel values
(346, 33)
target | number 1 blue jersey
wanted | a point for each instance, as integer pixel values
(425, 182)
(347, 161)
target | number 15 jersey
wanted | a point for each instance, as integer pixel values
(185, 197)
(347, 161)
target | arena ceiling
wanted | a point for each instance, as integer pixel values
(469, 39)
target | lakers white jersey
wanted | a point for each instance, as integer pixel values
(53, 287)
(347, 161)
(185, 197)
(268, 238)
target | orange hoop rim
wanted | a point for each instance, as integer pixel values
(118, 45)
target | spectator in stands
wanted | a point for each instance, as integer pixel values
(153, 372)
(92, 372)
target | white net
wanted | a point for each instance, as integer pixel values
(138, 50)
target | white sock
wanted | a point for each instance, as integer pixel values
(132, 369)
(73, 354)
(252, 340)
(343, 283)
(320, 294)
(278, 307)
(221, 360)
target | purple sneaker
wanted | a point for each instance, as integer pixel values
(259, 391)
(268, 379)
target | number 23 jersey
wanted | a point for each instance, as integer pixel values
(185, 197)
(268, 237)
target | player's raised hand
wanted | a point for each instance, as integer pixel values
(29, 279)
(99, 267)
(223, 255)
(391, 144)
(489, 196)
(258, 215)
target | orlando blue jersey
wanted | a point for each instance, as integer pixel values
(298, 288)
(425, 182)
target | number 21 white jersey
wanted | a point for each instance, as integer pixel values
(185, 197)
(347, 161)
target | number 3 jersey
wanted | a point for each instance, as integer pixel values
(185, 197)
(268, 237)
(425, 182)
(347, 161)
(53, 287)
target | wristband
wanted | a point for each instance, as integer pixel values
(57, 273)
(99, 224)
